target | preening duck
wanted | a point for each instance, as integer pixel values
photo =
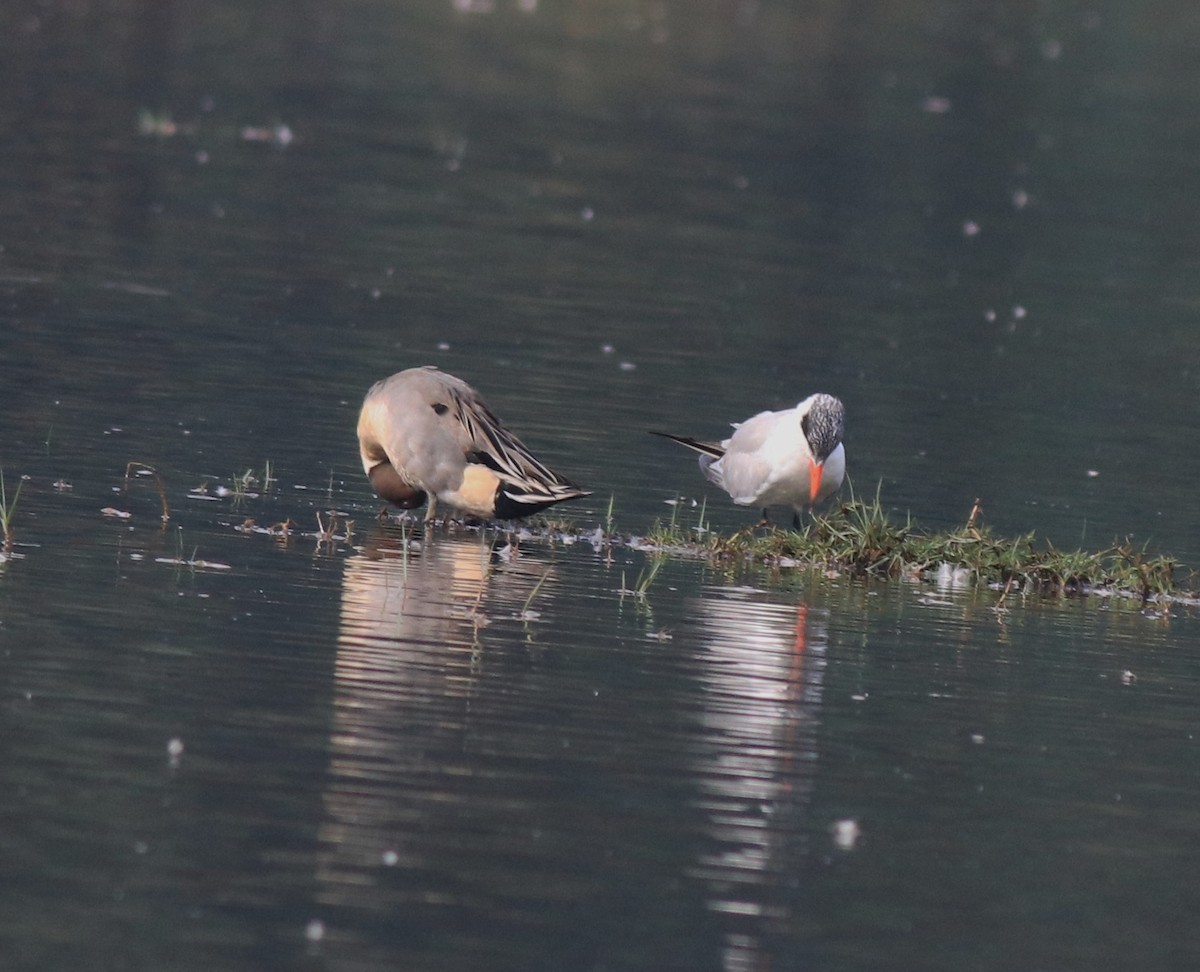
(424, 434)
(792, 457)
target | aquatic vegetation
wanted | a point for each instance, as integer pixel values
(192, 562)
(134, 467)
(327, 532)
(527, 614)
(859, 537)
(7, 509)
(646, 576)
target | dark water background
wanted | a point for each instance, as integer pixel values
(219, 223)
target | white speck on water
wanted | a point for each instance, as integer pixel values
(174, 751)
(443, 345)
(989, 315)
(607, 349)
(314, 931)
(376, 293)
(977, 738)
(936, 105)
(859, 697)
(1020, 198)
(627, 366)
(1093, 473)
(587, 214)
(1019, 312)
(1127, 677)
(846, 833)
(390, 858)
(970, 228)
(201, 157)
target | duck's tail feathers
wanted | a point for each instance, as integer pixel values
(512, 502)
(711, 449)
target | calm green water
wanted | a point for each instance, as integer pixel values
(219, 225)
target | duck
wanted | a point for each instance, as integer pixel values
(425, 435)
(793, 457)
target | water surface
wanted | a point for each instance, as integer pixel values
(460, 749)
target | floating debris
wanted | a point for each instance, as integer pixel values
(156, 124)
(193, 563)
(952, 576)
(280, 135)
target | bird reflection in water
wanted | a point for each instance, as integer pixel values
(407, 672)
(761, 672)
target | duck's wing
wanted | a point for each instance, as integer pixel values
(525, 480)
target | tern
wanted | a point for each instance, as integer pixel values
(792, 457)
(424, 434)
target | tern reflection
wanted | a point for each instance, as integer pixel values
(409, 663)
(762, 666)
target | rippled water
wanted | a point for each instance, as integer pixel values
(386, 747)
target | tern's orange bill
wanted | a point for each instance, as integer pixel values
(814, 479)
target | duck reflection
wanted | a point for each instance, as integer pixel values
(762, 668)
(408, 665)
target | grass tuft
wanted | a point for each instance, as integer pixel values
(136, 466)
(859, 537)
(8, 509)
